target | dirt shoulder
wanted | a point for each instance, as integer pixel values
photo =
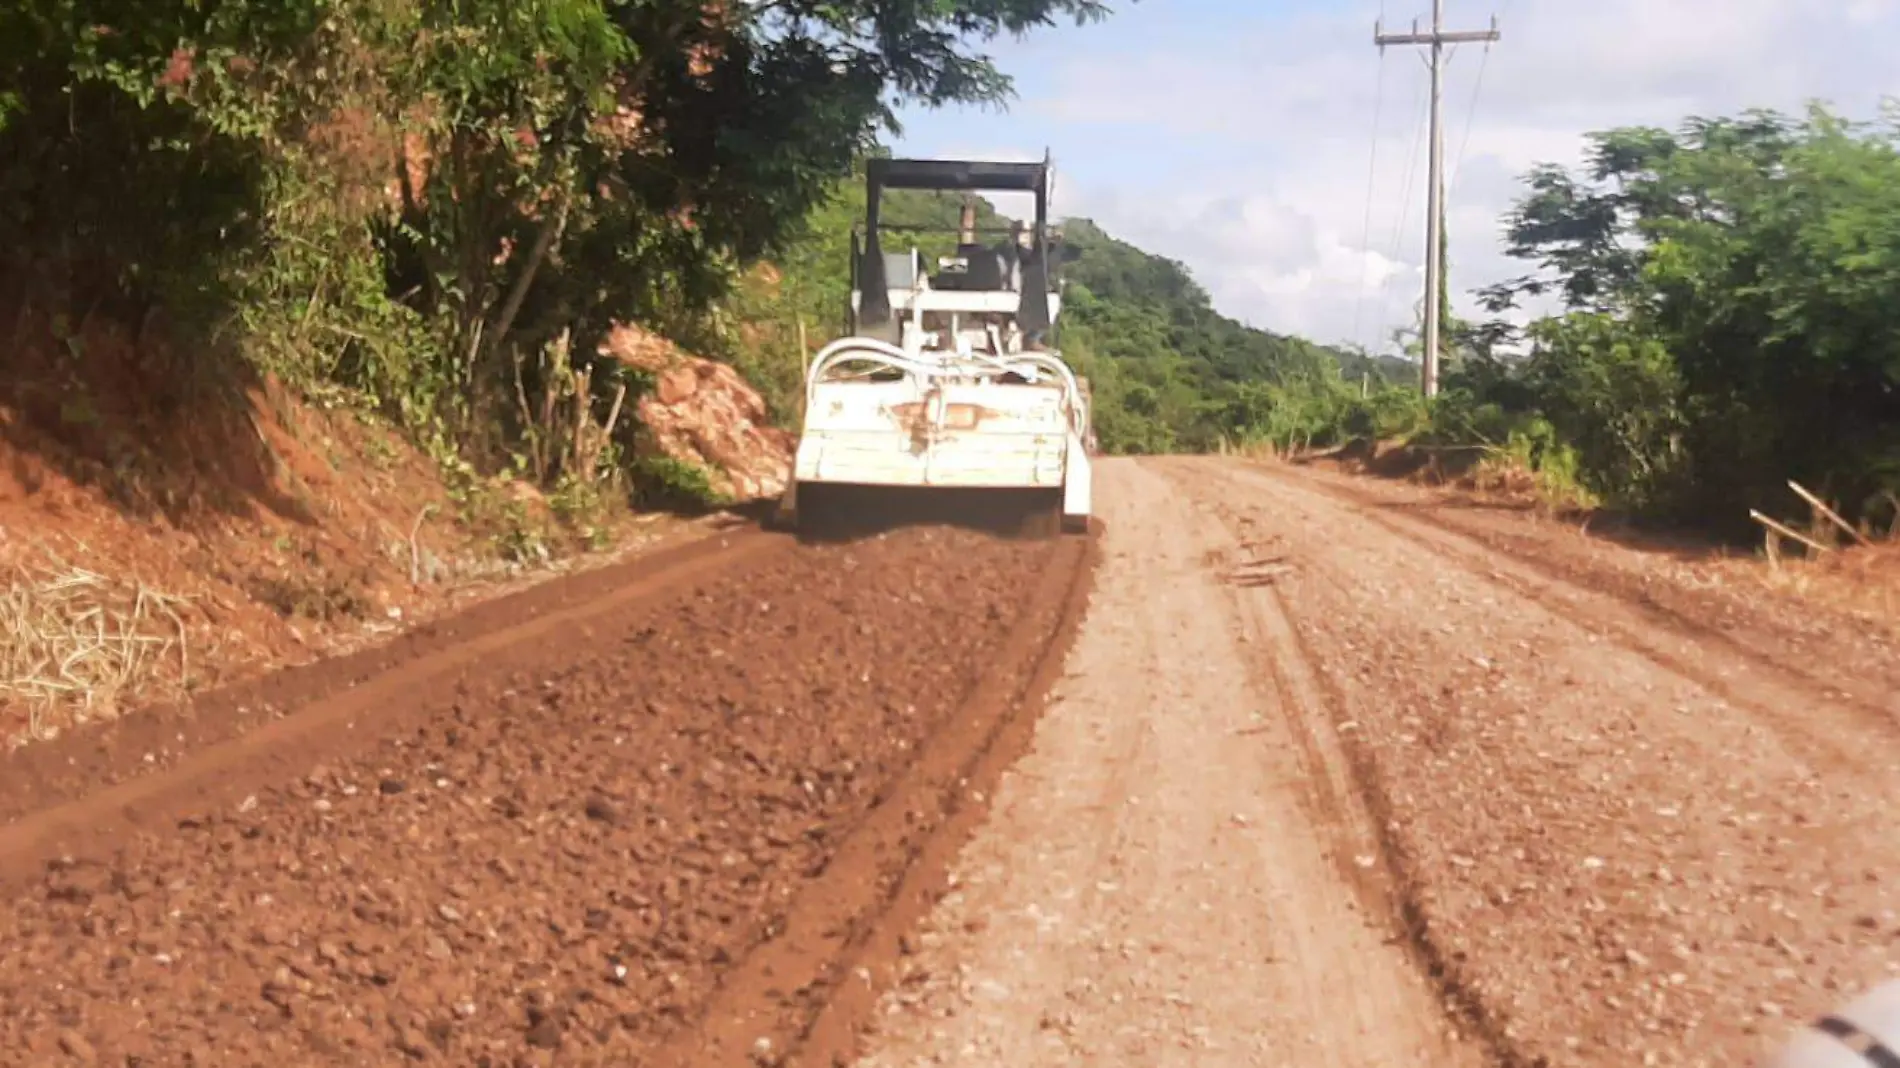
(1839, 616)
(1633, 819)
(146, 561)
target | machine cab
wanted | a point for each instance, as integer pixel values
(997, 291)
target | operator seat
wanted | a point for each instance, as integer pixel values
(983, 269)
(1011, 254)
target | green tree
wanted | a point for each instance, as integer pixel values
(1738, 276)
(407, 195)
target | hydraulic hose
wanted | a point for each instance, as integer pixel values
(883, 352)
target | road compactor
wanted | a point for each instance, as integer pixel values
(946, 399)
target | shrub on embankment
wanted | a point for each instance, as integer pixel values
(403, 204)
(1730, 317)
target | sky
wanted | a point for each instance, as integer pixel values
(1237, 136)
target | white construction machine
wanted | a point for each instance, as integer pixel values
(947, 390)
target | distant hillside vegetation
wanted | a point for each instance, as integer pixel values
(1169, 373)
(1173, 374)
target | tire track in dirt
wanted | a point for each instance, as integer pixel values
(1348, 797)
(1334, 802)
(1784, 699)
(1617, 863)
(837, 945)
(1160, 882)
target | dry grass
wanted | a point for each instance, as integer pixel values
(1829, 563)
(75, 644)
(1248, 450)
(1862, 582)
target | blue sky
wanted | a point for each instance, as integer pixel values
(1238, 135)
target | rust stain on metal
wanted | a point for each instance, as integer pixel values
(956, 416)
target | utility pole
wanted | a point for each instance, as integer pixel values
(1437, 39)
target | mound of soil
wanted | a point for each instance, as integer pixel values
(563, 857)
(1436, 465)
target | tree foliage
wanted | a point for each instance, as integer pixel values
(405, 196)
(1730, 316)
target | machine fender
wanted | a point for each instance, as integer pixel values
(1078, 488)
(1864, 1033)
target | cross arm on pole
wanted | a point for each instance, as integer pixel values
(1437, 35)
(1447, 37)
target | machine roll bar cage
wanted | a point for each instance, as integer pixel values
(867, 265)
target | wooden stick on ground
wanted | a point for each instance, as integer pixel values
(1785, 532)
(1815, 503)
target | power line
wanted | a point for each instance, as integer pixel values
(1405, 194)
(1372, 174)
(1471, 119)
(1464, 145)
(1372, 171)
(1437, 39)
(1419, 106)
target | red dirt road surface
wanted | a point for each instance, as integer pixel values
(1332, 772)
(650, 830)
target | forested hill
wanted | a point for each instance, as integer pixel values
(1168, 371)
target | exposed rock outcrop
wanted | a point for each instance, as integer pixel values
(702, 412)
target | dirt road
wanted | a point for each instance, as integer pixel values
(1179, 873)
(1343, 775)
(1333, 772)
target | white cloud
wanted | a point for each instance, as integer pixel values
(1245, 153)
(1260, 257)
